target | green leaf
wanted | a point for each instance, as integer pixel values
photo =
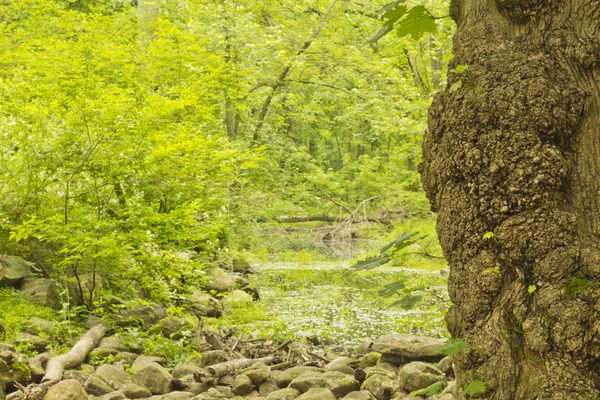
(380, 33)
(392, 16)
(408, 302)
(531, 288)
(400, 243)
(416, 23)
(475, 387)
(370, 263)
(451, 347)
(460, 68)
(455, 86)
(430, 390)
(495, 270)
(390, 7)
(391, 288)
(487, 235)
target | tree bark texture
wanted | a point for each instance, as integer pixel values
(516, 151)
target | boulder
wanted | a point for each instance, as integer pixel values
(2, 391)
(286, 377)
(13, 269)
(187, 369)
(144, 316)
(284, 394)
(155, 378)
(35, 342)
(317, 394)
(220, 280)
(445, 365)
(81, 376)
(204, 305)
(235, 299)
(340, 364)
(211, 394)
(369, 360)
(107, 377)
(44, 292)
(359, 395)
(36, 367)
(213, 357)
(118, 395)
(142, 361)
(241, 266)
(69, 389)
(118, 344)
(339, 383)
(380, 385)
(13, 367)
(399, 349)
(133, 391)
(36, 325)
(242, 385)
(258, 373)
(174, 396)
(267, 388)
(418, 375)
(170, 327)
(86, 283)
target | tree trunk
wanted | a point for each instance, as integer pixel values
(515, 151)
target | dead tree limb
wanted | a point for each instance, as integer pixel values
(222, 369)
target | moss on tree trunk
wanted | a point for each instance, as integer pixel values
(514, 149)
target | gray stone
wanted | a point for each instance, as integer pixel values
(142, 361)
(93, 320)
(235, 299)
(112, 376)
(187, 369)
(339, 383)
(381, 386)
(13, 368)
(44, 292)
(37, 343)
(204, 305)
(97, 387)
(81, 376)
(402, 348)
(170, 327)
(445, 365)
(174, 396)
(2, 391)
(286, 377)
(213, 357)
(35, 365)
(69, 389)
(317, 394)
(242, 385)
(86, 284)
(118, 395)
(154, 377)
(118, 344)
(360, 395)
(267, 388)
(340, 364)
(125, 358)
(242, 266)
(284, 394)
(36, 325)
(258, 373)
(12, 270)
(220, 281)
(369, 360)
(133, 391)
(418, 375)
(144, 316)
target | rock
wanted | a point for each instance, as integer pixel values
(170, 326)
(446, 396)
(364, 348)
(12, 270)
(36, 367)
(2, 391)
(92, 321)
(226, 390)
(258, 373)
(204, 305)
(235, 299)
(44, 292)
(267, 388)
(213, 357)
(154, 377)
(118, 395)
(108, 377)
(198, 388)
(142, 361)
(399, 349)
(242, 385)
(381, 386)
(286, 377)
(125, 358)
(369, 360)
(69, 389)
(340, 364)
(284, 394)
(144, 316)
(174, 396)
(37, 343)
(81, 376)
(359, 395)
(36, 325)
(418, 375)
(317, 394)
(220, 280)
(116, 344)
(339, 383)
(241, 266)
(13, 368)
(85, 285)
(211, 394)
(133, 391)
(187, 369)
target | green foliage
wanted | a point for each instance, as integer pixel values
(474, 388)
(451, 347)
(430, 390)
(16, 310)
(579, 286)
(415, 22)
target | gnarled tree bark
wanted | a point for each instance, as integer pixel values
(516, 151)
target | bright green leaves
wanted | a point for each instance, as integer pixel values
(460, 68)
(451, 347)
(474, 388)
(373, 262)
(416, 21)
(488, 235)
(407, 302)
(370, 263)
(531, 288)
(430, 390)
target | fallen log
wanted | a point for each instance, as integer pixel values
(228, 367)
(75, 356)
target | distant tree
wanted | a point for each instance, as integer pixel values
(511, 164)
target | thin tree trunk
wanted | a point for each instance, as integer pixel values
(515, 150)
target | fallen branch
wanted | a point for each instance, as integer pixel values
(222, 369)
(75, 356)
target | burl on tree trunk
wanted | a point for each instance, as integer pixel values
(514, 149)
